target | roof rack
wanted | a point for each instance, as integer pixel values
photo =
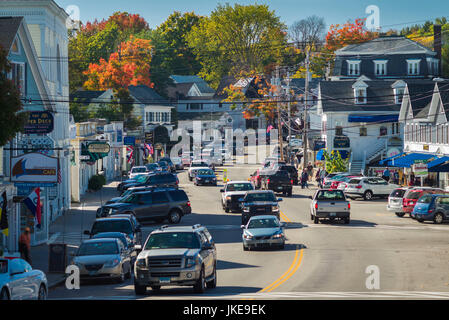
(196, 226)
(163, 227)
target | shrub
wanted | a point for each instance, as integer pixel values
(96, 182)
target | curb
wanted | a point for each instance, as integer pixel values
(56, 283)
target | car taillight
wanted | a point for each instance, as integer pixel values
(188, 203)
(316, 206)
(349, 206)
(291, 181)
(268, 180)
(358, 187)
(430, 211)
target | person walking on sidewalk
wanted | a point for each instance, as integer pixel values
(304, 179)
(310, 171)
(25, 245)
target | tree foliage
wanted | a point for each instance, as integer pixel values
(11, 121)
(334, 162)
(235, 39)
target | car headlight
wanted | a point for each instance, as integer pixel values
(191, 262)
(228, 198)
(278, 235)
(247, 236)
(246, 209)
(112, 263)
(275, 208)
(141, 263)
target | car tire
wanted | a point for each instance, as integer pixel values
(400, 214)
(311, 217)
(420, 220)
(139, 290)
(316, 220)
(290, 193)
(226, 209)
(438, 218)
(156, 289)
(174, 216)
(200, 285)
(122, 276)
(129, 273)
(4, 295)
(368, 195)
(281, 246)
(42, 293)
(213, 283)
(245, 248)
(347, 220)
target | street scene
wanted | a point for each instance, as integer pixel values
(236, 152)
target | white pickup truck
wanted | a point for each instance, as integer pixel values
(330, 204)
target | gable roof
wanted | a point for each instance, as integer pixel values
(9, 26)
(248, 85)
(86, 96)
(420, 96)
(386, 45)
(146, 95)
(179, 90)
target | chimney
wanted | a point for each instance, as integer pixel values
(437, 45)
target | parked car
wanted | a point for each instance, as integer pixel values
(195, 166)
(153, 167)
(341, 183)
(186, 158)
(137, 179)
(19, 281)
(330, 204)
(171, 165)
(432, 207)
(159, 180)
(104, 258)
(260, 202)
(178, 256)
(262, 231)
(135, 171)
(369, 188)
(412, 195)
(205, 177)
(395, 201)
(124, 224)
(327, 182)
(177, 161)
(232, 192)
(123, 237)
(157, 205)
(278, 181)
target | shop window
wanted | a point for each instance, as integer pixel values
(363, 131)
(383, 131)
(338, 131)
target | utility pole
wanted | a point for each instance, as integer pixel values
(278, 84)
(289, 118)
(306, 100)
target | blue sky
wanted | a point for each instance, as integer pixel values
(393, 13)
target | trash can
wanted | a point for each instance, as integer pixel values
(57, 258)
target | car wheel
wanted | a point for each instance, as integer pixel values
(400, 214)
(156, 289)
(200, 285)
(316, 220)
(174, 217)
(311, 217)
(439, 218)
(42, 294)
(122, 276)
(290, 193)
(281, 246)
(129, 273)
(213, 283)
(226, 209)
(4, 295)
(245, 248)
(368, 195)
(140, 290)
(347, 220)
(420, 220)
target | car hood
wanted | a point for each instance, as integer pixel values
(262, 231)
(236, 193)
(114, 200)
(261, 203)
(168, 252)
(205, 176)
(98, 259)
(117, 205)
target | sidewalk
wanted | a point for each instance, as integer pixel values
(68, 229)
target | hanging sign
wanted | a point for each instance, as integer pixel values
(39, 122)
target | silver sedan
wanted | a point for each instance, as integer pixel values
(263, 231)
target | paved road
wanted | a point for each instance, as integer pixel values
(319, 261)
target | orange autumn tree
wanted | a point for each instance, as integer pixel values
(338, 37)
(128, 67)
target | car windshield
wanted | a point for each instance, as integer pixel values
(199, 164)
(163, 164)
(116, 225)
(239, 187)
(173, 240)
(263, 223)
(414, 195)
(141, 178)
(130, 198)
(425, 199)
(111, 235)
(3, 266)
(330, 195)
(263, 196)
(205, 173)
(97, 248)
(138, 170)
(398, 193)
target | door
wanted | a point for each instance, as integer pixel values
(206, 255)
(143, 205)
(444, 203)
(17, 283)
(160, 205)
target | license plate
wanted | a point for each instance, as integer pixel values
(164, 280)
(92, 273)
(207, 181)
(333, 214)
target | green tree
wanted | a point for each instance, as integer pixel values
(334, 162)
(235, 39)
(11, 121)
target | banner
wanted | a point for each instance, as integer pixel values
(34, 167)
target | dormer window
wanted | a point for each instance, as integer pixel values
(398, 95)
(432, 65)
(353, 67)
(360, 95)
(380, 67)
(413, 67)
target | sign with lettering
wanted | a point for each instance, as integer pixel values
(130, 141)
(319, 144)
(92, 151)
(34, 167)
(39, 122)
(341, 142)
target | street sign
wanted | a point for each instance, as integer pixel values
(39, 122)
(319, 144)
(149, 137)
(130, 141)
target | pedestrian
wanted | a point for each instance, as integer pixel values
(304, 179)
(396, 177)
(412, 180)
(386, 175)
(323, 175)
(310, 170)
(25, 245)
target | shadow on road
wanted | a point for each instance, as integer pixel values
(223, 265)
(353, 223)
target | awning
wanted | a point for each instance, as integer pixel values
(381, 162)
(320, 155)
(373, 118)
(437, 163)
(408, 160)
(443, 167)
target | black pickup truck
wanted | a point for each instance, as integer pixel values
(278, 181)
(259, 203)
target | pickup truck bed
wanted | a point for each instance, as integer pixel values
(330, 204)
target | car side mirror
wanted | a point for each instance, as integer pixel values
(280, 200)
(86, 232)
(138, 248)
(208, 246)
(310, 197)
(222, 190)
(242, 226)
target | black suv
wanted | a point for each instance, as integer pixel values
(156, 205)
(293, 172)
(170, 163)
(161, 180)
(121, 223)
(259, 203)
(177, 256)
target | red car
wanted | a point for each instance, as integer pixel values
(341, 182)
(411, 197)
(256, 179)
